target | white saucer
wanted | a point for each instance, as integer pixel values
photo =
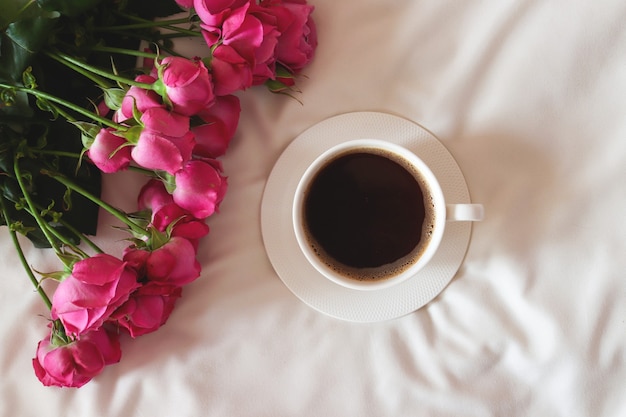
(291, 265)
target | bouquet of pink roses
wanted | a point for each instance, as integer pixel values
(170, 119)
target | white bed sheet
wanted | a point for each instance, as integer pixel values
(530, 98)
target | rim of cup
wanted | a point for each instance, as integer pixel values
(403, 153)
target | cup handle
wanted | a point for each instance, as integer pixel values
(464, 212)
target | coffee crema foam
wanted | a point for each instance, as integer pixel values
(401, 262)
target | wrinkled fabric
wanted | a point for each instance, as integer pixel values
(528, 96)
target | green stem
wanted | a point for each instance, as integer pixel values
(58, 336)
(122, 51)
(168, 50)
(145, 171)
(181, 31)
(143, 24)
(65, 103)
(101, 72)
(179, 34)
(63, 113)
(78, 234)
(20, 254)
(55, 153)
(90, 75)
(66, 242)
(82, 236)
(31, 205)
(67, 225)
(26, 6)
(115, 212)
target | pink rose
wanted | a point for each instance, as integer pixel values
(298, 39)
(139, 98)
(157, 152)
(181, 222)
(164, 213)
(221, 120)
(75, 364)
(165, 122)
(244, 49)
(165, 143)
(244, 35)
(96, 287)
(136, 259)
(147, 309)
(186, 84)
(185, 4)
(153, 196)
(108, 152)
(102, 109)
(231, 72)
(213, 13)
(264, 54)
(200, 187)
(173, 263)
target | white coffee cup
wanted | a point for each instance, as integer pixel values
(367, 154)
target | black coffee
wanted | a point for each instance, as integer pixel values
(365, 214)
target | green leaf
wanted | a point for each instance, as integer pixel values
(67, 199)
(169, 181)
(19, 227)
(33, 33)
(11, 190)
(89, 129)
(13, 10)
(113, 97)
(68, 7)
(22, 221)
(87, 140)
(45, 105)
(283, 72)
(276, 86)
(21, 41)
(77, 210)
(131, 135)
(18, 108)
(28, 79)
(8, 96)
(84, 213)
(6, 150)
(56, 275)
